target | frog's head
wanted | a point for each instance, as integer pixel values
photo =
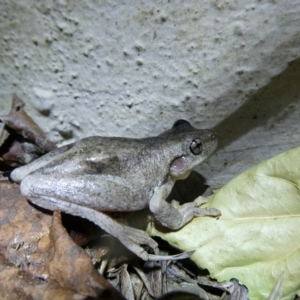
(191, 147)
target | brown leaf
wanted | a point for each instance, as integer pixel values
(16, 284)
(22, 140)
(34, 243)
(18, 120)
(70, 265)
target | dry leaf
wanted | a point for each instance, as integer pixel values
(22, 140)
(36, 244)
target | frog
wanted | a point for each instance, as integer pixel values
(97, 176)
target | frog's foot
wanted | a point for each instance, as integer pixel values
(192, 208)
(173, 215)
(200, 200)
(133, 238)
(197, 202)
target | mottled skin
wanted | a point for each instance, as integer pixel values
(99, 174)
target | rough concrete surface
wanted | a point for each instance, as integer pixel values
(131, 68)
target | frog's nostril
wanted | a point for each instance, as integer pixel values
(213, 136)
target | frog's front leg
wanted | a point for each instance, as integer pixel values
(131, 238)
(173, 215)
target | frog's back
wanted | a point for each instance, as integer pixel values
(139, 162)
(123, 155)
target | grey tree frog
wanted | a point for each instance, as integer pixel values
(108, 174)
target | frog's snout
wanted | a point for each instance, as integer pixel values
(213, 136)
(212, 140)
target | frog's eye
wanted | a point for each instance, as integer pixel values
(196, 146)
(182, 125)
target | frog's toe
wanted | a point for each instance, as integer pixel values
(135, 238)
(139, 251)
(200, 200)
(207, 211)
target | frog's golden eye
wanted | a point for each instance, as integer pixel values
(196, 146)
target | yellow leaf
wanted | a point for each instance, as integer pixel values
(257, 237)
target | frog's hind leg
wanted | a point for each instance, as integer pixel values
(18, 174)
(100, 192)
(131, 238)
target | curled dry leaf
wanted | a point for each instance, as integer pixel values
(22, 140)
(34, 243)
(23, 124)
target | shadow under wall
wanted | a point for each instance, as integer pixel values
(274, 101)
